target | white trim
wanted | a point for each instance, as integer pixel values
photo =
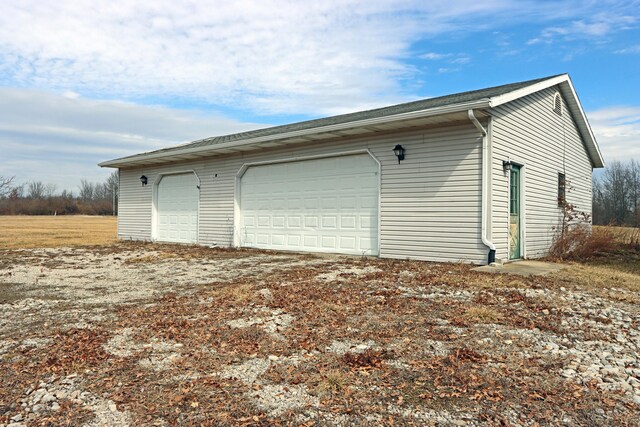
(208, 149)
(584, 126)
(154, 201)
(375, 159)
(245, 166)
(118, 209)
(527, 90)
(523, 211)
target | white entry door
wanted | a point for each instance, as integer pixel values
(177, 208)
(320, 205)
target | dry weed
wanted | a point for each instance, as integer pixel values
(482, 315)
(330, 382)
(625, 235)
(236, 294)
(582, 242)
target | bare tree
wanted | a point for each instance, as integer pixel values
(87, 190)
(633, 178)
(36, 190)
(6, 185)
(616, 194)
(50, 190)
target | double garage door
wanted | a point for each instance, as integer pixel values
(321, 205)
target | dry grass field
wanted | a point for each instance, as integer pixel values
(626, 235)
(56, 231)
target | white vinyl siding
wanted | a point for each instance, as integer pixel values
(529, 132)
(429, 204)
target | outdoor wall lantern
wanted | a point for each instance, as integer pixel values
(144, 180)
(398, 150)
(506, 166)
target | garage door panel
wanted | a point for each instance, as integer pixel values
(278, 221)
(294, 222)
(329, 242)
(329, 222)
(348, 243)
(368, 202)
(294, 240)
(347, 222)
(366, 244)
(177, 208)
(311, 221)
(333, 201)
(367, 222)
(311, 241)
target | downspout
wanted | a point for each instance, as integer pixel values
(486, 174)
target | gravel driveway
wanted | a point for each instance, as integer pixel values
(139, 334)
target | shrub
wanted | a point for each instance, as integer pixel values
(582, 242)
(576, 239)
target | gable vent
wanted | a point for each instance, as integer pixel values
(557, 104)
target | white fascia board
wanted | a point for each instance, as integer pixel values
(203, 150)
(581, 119)
(585, 127)
(516, 94)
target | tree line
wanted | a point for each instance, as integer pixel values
(38, 198)
(616, 195)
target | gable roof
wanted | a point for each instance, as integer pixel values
(417, 113)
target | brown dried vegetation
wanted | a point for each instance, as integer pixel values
(395, 380)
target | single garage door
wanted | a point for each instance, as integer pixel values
(178, 197)
(320, 205)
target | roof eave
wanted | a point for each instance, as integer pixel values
(212, 149)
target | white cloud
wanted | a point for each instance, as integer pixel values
(433, 56)
(617, 130)
(596, 27)
(59, 140)
(272, 56)
(630, 49)
(453, 61)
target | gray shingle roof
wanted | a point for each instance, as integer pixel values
(425, 104)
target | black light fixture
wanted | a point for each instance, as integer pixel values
(398, 150)
(506, 165)
(144, 180)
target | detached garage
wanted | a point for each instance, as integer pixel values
(471, 177)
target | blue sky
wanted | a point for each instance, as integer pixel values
(85, 81)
